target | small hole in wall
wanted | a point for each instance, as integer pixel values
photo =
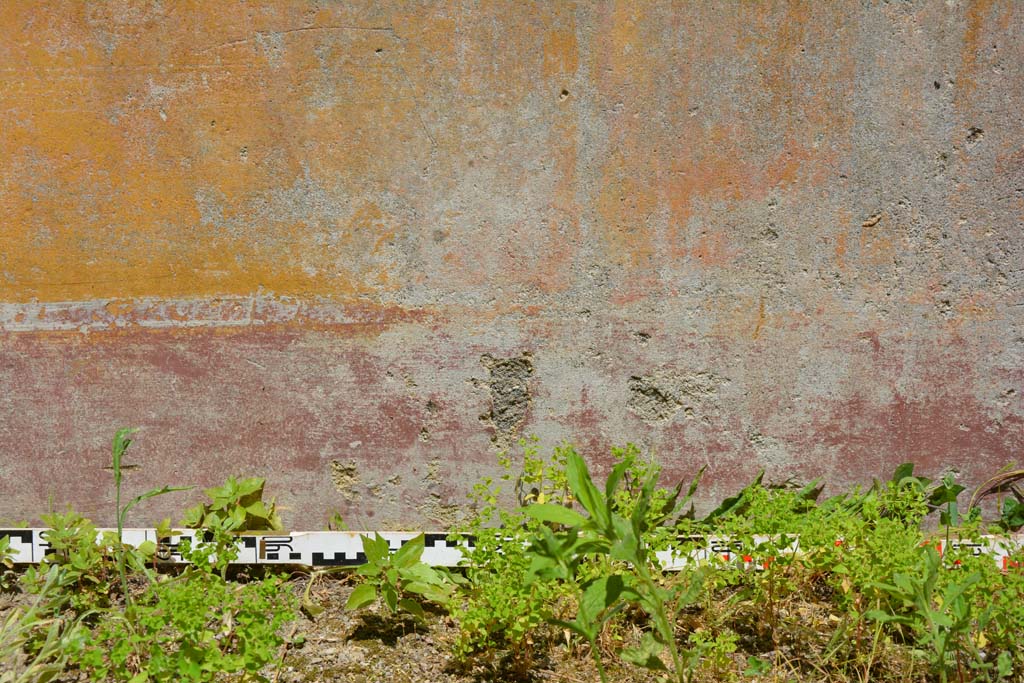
(379, 50)
(564, 94)
(936, 84)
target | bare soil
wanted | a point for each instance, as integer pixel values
(371, 646)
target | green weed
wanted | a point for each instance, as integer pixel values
(401, 580)
(191, 628)
(497, 607)
(234, 507)
(608, 534)
(37, 641)
(938, 613)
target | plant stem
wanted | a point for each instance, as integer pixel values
(596, 654)
(661, 620)
(871, 655)
(119, 551)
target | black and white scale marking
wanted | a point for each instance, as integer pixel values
(345, 548)
(310, 548)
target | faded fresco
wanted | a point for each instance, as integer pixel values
(359, 248)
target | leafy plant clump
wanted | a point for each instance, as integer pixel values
(498, 608)
(401, 580)
(883, 583)
(238, 505)
(100, 607)
(852, 587)
(190, 627)
(37, 641)
(606, 534)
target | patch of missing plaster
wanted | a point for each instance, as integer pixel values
(407, 378)
(345, 477)
(650, 401)
(659, 396)
(441, 512)
(872, 220)
(974, 136)
(510, 396)
(770, 451)
(428, 423)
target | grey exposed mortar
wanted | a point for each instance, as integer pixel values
(510, 396)
(659, 396)
(345, 477)
(771, 452)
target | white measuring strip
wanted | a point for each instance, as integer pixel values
(345, 548)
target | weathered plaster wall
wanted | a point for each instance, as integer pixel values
(355, 247)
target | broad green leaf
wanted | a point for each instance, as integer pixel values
(247, 487)
(369, 570)
(558, 514)
(313, 609)
(257, 509)
(248, 491)
(575, 627)
(375, 549)
(902, 472)
(219, 494)
(886, 617)
(422, 573)
(615, 477)
(1004, 664)
(600, 595)
(409, 554)
(954, 591)
(646, 655)
(390, 597)
(626, 546)
(363, 595)
(584, 490)
(689, 593)
(811, 491)
(643, 504)
(696, 482)
(430, 591)
(1012, 515)
(193, 517)
(946, 493)
(734, 504)
(757, 666)
(411, 606)
(147, 548)
(274, 522)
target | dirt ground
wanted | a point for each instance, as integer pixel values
(371, 646)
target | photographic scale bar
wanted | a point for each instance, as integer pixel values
(345, 548)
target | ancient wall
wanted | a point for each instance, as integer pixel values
(359, 247)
